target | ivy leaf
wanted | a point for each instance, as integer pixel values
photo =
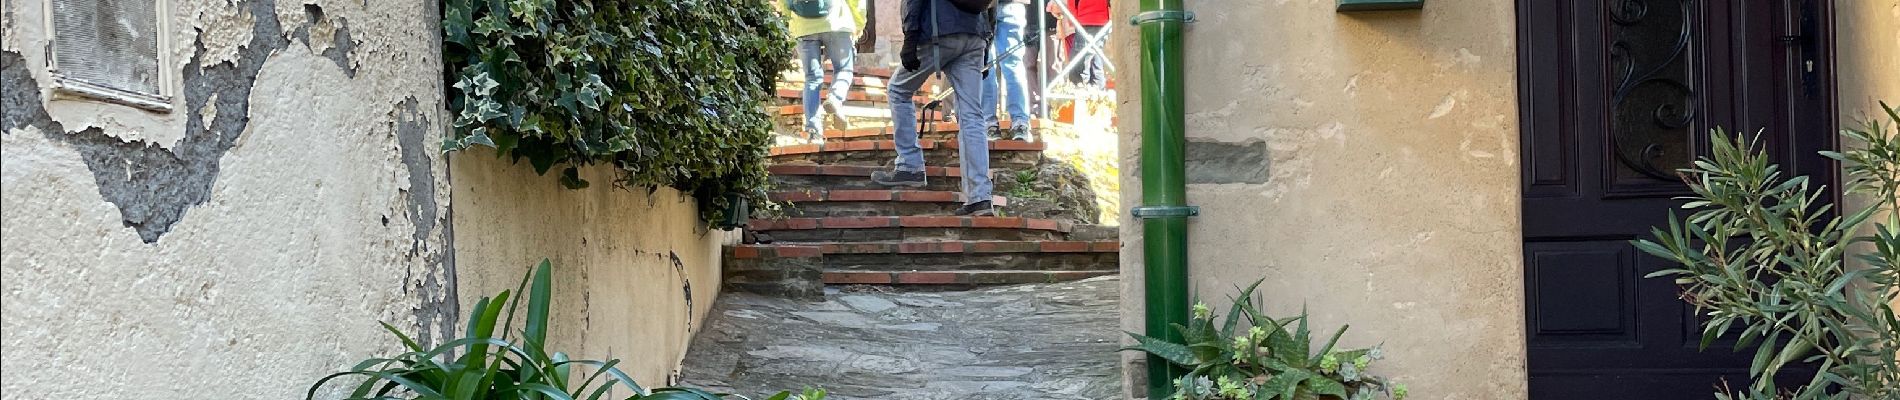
(490, 25)
(478, 136)
(571, 178)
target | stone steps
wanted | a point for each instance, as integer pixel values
(835, 226)
(916, 228)
(817, 203)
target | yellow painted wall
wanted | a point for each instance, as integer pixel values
(618, 291)
(1392, 198)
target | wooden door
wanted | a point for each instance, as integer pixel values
(1617, 95)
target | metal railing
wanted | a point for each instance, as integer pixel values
(1091, 45)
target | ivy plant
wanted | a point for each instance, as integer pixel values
(668, 91)
(1764, 257)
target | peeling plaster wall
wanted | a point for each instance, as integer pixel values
(634, 272)
(243, 244)
(247, 242)
(1390, 198)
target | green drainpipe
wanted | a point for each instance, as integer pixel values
(1164, 211)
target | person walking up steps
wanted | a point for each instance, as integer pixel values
(825, 30)
(1008, 49)
(952, 37)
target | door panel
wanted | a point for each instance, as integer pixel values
(1617, 95)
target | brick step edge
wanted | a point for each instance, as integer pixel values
(767, 225)
(857, 93)
(944, 127)
(889, 145)
(861, 171)
(956, 277)
(765, 251)
(874, 195)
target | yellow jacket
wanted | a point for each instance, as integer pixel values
(845, 16)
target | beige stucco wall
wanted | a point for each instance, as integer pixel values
(248, 241)
(635, 273)
(280, 273)
(1867, 64)
(1867, 45)
(1391, 198)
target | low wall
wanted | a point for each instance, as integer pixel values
(634, 272)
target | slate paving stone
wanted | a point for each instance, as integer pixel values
(1038, 341)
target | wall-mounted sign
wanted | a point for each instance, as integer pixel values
(1376, 5)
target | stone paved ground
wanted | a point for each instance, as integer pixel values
(1038, 341)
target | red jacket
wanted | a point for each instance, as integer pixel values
(1090, 12)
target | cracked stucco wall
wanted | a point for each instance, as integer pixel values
(635, 272)
(244, 243)
(1390, 195)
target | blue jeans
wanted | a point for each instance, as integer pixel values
(1009, 66)
(834, 46)
(960, 58)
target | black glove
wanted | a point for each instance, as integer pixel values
(909, 55)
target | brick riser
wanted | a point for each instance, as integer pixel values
(853, 177)
(1007, 154)
(768, 268)
(909, 229)
(866, 203)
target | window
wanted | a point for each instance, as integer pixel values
(109, 50)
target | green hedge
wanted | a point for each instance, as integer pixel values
(670, 91)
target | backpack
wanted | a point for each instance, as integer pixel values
(973, 6)
(810, 8)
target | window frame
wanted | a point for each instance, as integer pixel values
(65, 87)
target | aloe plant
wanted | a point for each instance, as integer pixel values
(1252, 356)
(492, 363)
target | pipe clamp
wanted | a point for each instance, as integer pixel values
(1146, 212)
(1162, 16)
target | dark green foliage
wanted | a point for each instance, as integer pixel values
(1252, 356)
(495, 364)
(1763, 253)
(669, 91)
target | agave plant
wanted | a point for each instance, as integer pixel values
(1252, 356)
(1765, 253)
(491, 363)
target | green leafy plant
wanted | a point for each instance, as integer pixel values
(1254, 356)
(1024, 187)
(494, 364)
(670, 92)
(1765, 253)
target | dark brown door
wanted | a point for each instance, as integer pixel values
(1617, 95)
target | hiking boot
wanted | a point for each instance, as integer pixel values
(835, 109)
(995, 133)
(1019, 132)
(899, 178)
(977, 209)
